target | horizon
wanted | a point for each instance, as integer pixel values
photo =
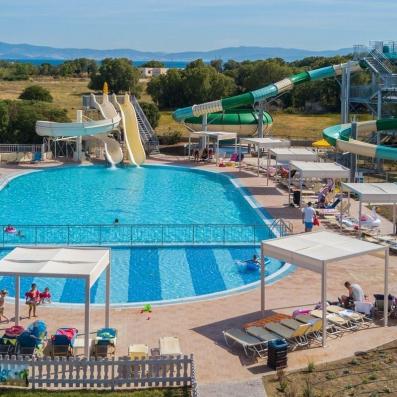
(298, 24)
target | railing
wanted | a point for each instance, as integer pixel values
(143, 235)
(17, 148)
(116, 373)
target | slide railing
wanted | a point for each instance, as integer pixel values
(143, 235)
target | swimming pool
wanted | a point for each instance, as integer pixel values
(148, 196)
(161, 274)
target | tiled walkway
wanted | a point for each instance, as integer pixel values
(199, 324)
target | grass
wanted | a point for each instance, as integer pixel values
(66, 92)
(366, 374)
(177, 392)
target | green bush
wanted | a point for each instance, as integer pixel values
(36, 93)
(170, 138)
(152, 113)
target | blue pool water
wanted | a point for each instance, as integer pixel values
(95, 195)
(145, 195)
(155, 274)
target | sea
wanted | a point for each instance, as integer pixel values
(168, 64)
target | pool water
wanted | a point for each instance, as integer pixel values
(144, 195)
(156, 274)
(149, 195)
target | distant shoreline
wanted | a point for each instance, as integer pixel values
(55, 62)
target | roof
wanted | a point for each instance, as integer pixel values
(86, 263)
(311, 169)
(267, 143)
(312, 250)
(294, 153)
(373, 192)
(221, 135)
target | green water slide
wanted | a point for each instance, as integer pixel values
(269, 91)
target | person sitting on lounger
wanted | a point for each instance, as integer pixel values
(356, 294)
(204, 155)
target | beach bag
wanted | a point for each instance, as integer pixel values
(14, 331)
(316, 221)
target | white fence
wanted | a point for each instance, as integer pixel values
(115, 373)
(17, 148)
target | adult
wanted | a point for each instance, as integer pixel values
(3, 294)
(32, 299)
(308, 215)
(356, 294)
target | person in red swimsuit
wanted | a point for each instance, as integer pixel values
(45, 297)
(32, 299)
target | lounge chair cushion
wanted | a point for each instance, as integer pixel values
(262, 334)
(241, 337)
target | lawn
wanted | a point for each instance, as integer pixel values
(66, 92)
(370, 374)
(177, 392)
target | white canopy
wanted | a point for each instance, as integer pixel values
(315, 251)
(59, 262)
(219, 135)
(311, 169)
(266, 143)
(293, 153)
(381, 193)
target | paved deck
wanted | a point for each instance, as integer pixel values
(199, 324)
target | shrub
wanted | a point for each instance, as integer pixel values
(36, 93)
(152, 113)
(170, 138)
(311, 366)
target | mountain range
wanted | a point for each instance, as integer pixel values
(28, 51)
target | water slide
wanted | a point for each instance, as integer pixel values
(340, 137)
(113, 151)
(135, 149)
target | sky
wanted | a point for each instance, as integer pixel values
(181, 25)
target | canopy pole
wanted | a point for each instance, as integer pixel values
(235, 143)
(324, 303)
(258, 149)
(268, 166)
(394, 219)
(190, 144)
(301, 190)
(262, 281)
(360, 209)
(217, 150)
(386, 296)
(341, 209)
(87, 318)
(239, 156)
(289, 185)
(17, 295)
(107, 302)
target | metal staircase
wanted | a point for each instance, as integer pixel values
(378, 63)
(148, 136)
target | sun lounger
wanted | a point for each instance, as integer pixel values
(306, 319)
(262, 334)
(105, 342)
(296, 337)
(335, 319)
(358, 318)
(380, 304)
(291, 323)
(62, 342)
(249, 343)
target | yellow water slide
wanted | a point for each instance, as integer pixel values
(135, 150)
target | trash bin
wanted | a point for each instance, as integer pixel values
(296, 197)
(277, 354)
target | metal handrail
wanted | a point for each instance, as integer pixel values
(144, 234)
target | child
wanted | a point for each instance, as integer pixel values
(45, 297)
(32, 299)
(3, 294)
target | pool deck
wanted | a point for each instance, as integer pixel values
(199, 324)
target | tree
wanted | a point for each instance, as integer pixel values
(217, 64)
(152, 113)
(120, 75)
(36, 93)
(153, 64)
(22, 120)
(4, 120)
(78, 67)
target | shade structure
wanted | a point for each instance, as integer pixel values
(288, 154)
(374, 193)
(315, 252)
(216, 135)
(322, 143)
(60, 262)
(264, 144)
(312, 169)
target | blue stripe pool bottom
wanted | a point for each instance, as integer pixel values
(156, 274)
